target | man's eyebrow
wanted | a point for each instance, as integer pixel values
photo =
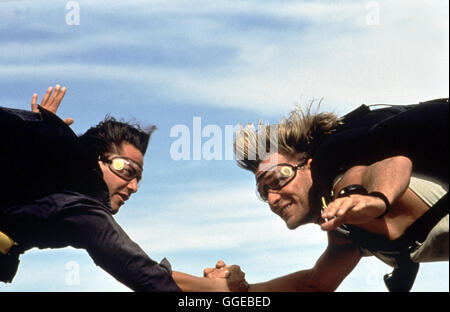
(265, 174)
(133, 162)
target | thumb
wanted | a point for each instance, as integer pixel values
(34, 107)
(68, 121)
(220, 264)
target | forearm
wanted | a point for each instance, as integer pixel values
(390, 176)
(295, 282)
(333, 266)
(190, 283)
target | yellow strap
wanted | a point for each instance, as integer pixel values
(324, 206)
(5, 243)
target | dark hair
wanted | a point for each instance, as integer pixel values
(108, 135)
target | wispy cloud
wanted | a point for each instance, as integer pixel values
(261, 56)
(160, 58)
(217, 217)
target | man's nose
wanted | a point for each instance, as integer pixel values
(273, 197)
(133, 185)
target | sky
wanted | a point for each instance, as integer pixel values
(195, 69)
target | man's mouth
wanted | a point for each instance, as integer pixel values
(281, 212)
(124, 197)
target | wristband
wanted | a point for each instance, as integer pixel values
(386, 202)
(352, 189)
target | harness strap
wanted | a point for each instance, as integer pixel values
(403, 277)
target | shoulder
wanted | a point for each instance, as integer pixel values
(84, 220)
(68, 202)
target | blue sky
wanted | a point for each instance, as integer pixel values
(227, 62)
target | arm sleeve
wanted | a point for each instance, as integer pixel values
(95, 230)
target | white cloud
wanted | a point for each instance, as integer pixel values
(211, 219)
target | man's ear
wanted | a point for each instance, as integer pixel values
(102, 165)
(308, 163)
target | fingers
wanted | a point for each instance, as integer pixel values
(338, 208)
(46, 97)
(220, 271)
(337, 213)
(235, 270)
(53, 97)
(332, 224)
(236, 281)
(355, 209)
(220, 264)
(347, 215)
(51, 101)
(216, 273)
(58, 95)
(34, 99)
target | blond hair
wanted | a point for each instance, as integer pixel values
(296, 135)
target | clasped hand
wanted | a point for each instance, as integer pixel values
(235, 277)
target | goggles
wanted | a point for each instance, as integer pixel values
(275, 178)
(124, 167)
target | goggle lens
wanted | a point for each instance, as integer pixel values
(275, 178)
(125, 168)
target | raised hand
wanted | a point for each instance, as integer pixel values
(51, 101)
